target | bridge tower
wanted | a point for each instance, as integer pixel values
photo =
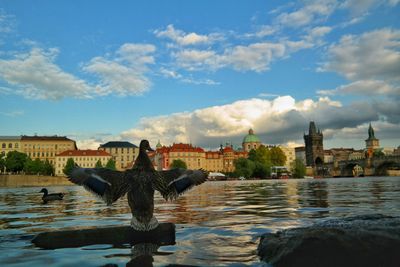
(314, 146)
(372, 143)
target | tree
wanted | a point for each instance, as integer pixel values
(33, 166)
(2, 162)
(111, 165)
(262, 170)
(69, 166)
(15, 161)
(243, 167)
(47, 168)
(298, 168)
(98, 164)
(177, 163)
(378, 153)
(278, 158)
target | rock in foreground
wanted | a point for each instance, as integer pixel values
(371, 240)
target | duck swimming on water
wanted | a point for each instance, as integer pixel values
(48, 197)
(139, 183)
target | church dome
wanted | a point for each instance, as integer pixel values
(251, 138)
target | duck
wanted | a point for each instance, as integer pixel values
(139, 183)
(48, 197)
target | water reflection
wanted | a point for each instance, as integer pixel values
(217, 223)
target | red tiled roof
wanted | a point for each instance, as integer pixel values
(87, 152)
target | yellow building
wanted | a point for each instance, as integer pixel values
(10, 143)
(84, 158)
(45, 147)
(123, 153)
(290, 154)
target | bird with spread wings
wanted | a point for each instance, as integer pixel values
(139, 183)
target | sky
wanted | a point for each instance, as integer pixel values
(201, 72)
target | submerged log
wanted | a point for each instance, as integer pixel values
(367, 240)
(163, 235)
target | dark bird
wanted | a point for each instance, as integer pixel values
(48, 197)
(139, 183)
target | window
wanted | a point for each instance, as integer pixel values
(16, 145)
(9, 145)
(3, 145)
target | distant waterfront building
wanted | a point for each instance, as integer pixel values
(46, 147)
(300, 153)
(314, 146)
(10, 143)
(123, 153)
(84, 158)
(196, 157)
(372, 143)
(251, 141)
(290, 155)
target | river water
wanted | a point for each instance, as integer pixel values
(217, 223)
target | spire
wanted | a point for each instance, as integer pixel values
(251, 131)
(371, 133)
(312, 129)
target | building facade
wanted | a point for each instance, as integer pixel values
(10, 143)
(46, 147)
(251, 141)
(122, 152)
(290, 154)
(314, 146)
(196, 158)
(84, 158)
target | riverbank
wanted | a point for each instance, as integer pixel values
(32, 180)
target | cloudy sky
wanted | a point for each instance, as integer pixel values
(202, 72)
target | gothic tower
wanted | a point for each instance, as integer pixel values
(314, 146)
(372, 143)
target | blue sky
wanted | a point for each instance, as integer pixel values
(201, 71)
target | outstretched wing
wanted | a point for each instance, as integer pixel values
(107, 184)
(174, 182)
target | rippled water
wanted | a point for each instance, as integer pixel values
(217, 223)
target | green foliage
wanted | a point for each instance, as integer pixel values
(262, 170)
(111, 165)
(98, 164)
(177, 163)
(243, 167)
(378, 154)
(298, 168)
(69, 166)
(15, 161)
(38, 167)
(2, 162)
(278, 158)
(48, 168)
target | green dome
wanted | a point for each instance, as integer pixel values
(251, 138)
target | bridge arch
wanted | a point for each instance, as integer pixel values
(382, 168)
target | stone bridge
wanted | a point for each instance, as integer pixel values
(366, 166)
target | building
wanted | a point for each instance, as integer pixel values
(10, 143)
(196, 158)
(314, 146)
(46, 147)
(84, 158)
(290, 154)
(300, 153)
(372, 143)
(122, 152)
(251, 141)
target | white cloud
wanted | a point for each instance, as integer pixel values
(123, 74)
(184, 39)
(14, 113)
(311, 13)
(372, 55)
(7, 22)
(254, 57)
(35, 75)
(364, 87)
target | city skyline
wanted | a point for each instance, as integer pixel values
(201, 72)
